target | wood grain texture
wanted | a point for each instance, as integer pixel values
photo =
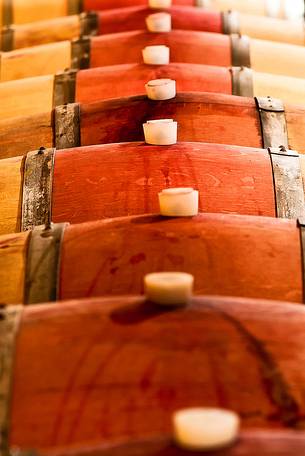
(250, 6)
(11, 181)
(25, 97)
(25, 11)
(287, 88)
(48, 31)
(256, 7)
(183, 18)
(250, 442)
(35, 61)
(130, 79)
(229, 255)
(13, 251)
(201, 117)
(97, 5)
(273, 29)
(18, 136)
(296, 127)
(115, 180)
(101, 371)
(277, 58)
(185, 47)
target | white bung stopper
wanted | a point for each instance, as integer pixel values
(156, 4)
(161, 89)
(273, 8)
(179, 202)
(169, 288)
(156, 55)
(159, 22)
(161, 132)
(201, 429)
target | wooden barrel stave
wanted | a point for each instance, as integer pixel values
(13, 257)
(74, 363)
(48, 31)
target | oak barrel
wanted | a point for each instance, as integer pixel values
(88, 183)
(26, 11)
(42, 93)
(233, 255)
(202, 117)
(185, 47)
(101, 371)
(274, 8)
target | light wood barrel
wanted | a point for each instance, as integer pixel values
(202, 117)
(234, 255)
(30, 96)
(72, 364)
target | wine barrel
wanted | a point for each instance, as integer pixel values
(126, 47)
(229, 180)
(20, 11)
(133, 18)
(234, 255)
(286, 9)
(37, 95)
(26, 11)
(72, 365)
(202, 117)
(267, 442)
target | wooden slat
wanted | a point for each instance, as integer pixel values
(13, 251)
(25, 11)
(272, 29)
(35, 61)
(277, 58)
(26, 97)
(19, 136)
(48, 31)
(11, 178)
(287, 88)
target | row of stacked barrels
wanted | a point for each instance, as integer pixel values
(152, 227)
